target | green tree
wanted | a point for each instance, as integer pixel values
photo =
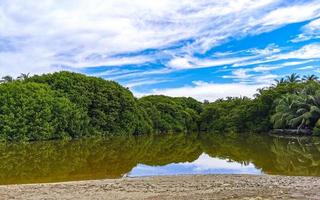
(293, 78)
(23, 76)
(300, 110)
(31, 111)
(169, 114)
(6, 79)
(311, 77)
(279, 81)
(112, 109)
(284, 114)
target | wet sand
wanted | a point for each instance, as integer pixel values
(173, 187)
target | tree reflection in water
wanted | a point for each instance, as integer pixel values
(112, 157)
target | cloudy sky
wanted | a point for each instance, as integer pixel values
(203, 165)
(201, 48)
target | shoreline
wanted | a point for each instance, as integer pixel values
(173, 187)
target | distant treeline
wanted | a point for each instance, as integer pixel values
(71, 105)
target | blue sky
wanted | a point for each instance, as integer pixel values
(203, 165)
(206, 49)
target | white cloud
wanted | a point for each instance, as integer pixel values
(261, 77)
(99, 60)
(259, 56)
(268, 55)
(14, 64)
(265, 79)
(81, 33)
(296, 63)
(266, 68)
(193, 63)
(208, 91)
(136, 73)
(306, 68)
(309, 31)
(261, 74)
(313, 26)
(239, 74)
(180, 63)
(270, 49)
(112, 72)
(203, 165)
(311, 51)
(292, 14)
(253, 62)
(143, 82)
(205, 162)
(317, 70)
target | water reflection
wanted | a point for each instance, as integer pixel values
(158, 155)
(203, 165)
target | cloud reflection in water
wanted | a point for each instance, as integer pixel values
(203, 165)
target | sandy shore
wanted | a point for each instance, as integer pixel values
(173, 187)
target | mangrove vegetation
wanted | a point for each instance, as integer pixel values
(72, 105)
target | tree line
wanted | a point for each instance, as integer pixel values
(72, 105)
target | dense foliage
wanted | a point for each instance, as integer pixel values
(300, 110)
(169, 114)
(225, 115)
(68, 104)
(290, 103)
(110, 107)
(31, 111)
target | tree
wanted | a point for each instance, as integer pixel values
(283, 113)
(307, 78)
(307, 109)
(298, 111)
(279, 81)
(32, 111)
(111, 108)
(42, 107)
(169, 114)
(229, 115)
(6, 79)
(293, 78)
(206, 102)
(23, 76)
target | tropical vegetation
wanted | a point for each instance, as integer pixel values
(71, 105)
(32, 111)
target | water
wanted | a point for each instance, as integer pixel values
(115, 157)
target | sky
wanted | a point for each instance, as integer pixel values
(206, 49)
(203, 165)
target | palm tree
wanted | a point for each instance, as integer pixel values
(6, 79)
(23, 76)
(298, 111)
(284, 112)
(307, 110)
(303, 112)
(293, 78)
(308, 78)
(279, 82)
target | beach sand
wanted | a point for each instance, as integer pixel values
(173, 187)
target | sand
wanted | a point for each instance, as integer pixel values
(173, 187)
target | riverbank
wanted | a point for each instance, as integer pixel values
(173, 187)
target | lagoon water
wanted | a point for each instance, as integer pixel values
(173, 154)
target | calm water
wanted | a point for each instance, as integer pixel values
(116, 157)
